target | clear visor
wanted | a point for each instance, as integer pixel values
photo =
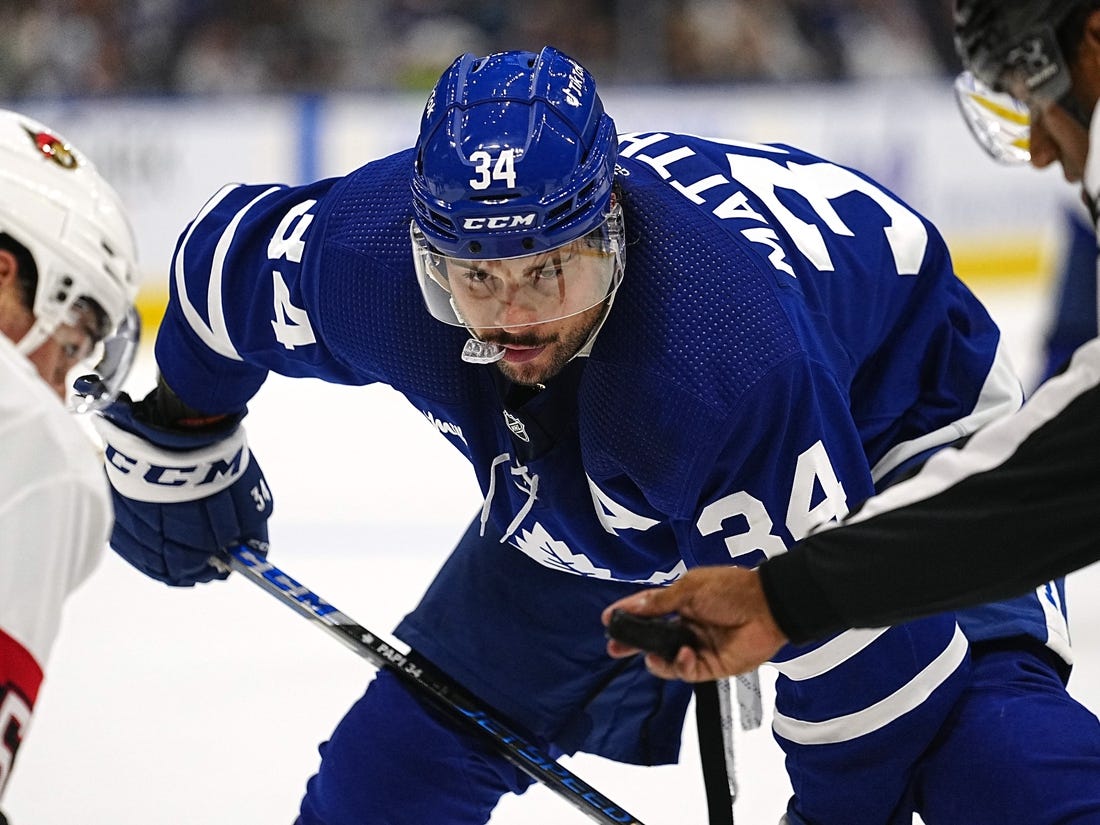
(998, 104)
(998, 121)
(110, 361)
(519, 292)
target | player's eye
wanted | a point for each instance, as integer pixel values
(74, 344)
(548, 271)
(475, 276)
(553, 267)
(477, 282)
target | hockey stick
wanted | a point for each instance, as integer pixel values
(425, 681)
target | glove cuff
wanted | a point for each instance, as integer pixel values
(143, 471)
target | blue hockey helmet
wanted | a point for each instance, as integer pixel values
(515, 156)
(515, 221)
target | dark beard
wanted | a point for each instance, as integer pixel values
(507, 339)
(560, 350)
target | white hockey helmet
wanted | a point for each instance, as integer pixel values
(55, 203)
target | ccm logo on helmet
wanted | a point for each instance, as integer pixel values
(499, 221)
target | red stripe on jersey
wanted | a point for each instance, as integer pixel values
(18, 667)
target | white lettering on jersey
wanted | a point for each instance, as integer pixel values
(817, 183)
(694, 192)
(287, 240)
(813, 472)
(445, 427)
(660, 163)
(820, 183)
(766, 235)
(614, 516)
(737, 206)
(741, 508)
(290, 323)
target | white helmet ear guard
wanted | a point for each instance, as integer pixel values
(54, 202)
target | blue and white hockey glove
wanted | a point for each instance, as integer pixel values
(182, 492)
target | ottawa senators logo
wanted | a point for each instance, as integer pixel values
(53, 148)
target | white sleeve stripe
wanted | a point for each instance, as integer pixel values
(834, 652)
(872, 718)
(1001, 394)
(1057, 628)
(216, 334)
(217, 315)
(994, 444)
(197, 324)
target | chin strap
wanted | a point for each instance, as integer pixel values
(37, 335)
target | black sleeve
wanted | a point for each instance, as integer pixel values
(1018, 505)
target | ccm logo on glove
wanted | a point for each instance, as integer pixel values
(144, 472)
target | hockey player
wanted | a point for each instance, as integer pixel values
(1017, 504)
(66, 292)
(658, 352)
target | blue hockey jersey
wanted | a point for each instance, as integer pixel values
(788, 334)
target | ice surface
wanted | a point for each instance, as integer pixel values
(205, 705)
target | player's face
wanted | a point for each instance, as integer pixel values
(540, 308)
(533, 290)
(535, 354)
(52, 359)
(1057, 137)
(1038, 109)
(70, 343)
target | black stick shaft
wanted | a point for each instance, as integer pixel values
(431, 684)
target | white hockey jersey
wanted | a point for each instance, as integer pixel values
(55, 517)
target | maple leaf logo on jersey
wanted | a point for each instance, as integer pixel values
(53, 148)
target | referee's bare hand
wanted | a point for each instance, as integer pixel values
(726, 609)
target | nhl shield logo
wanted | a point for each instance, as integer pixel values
(516, 426)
